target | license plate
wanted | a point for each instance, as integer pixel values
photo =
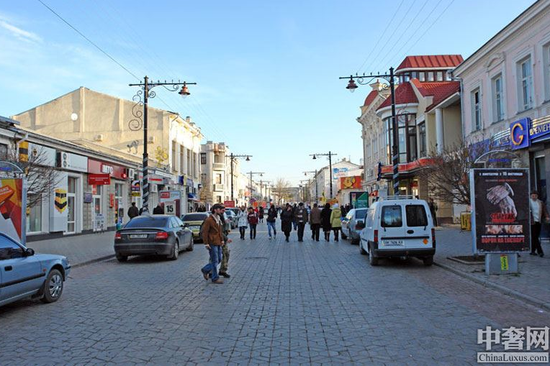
(138, 236)
(393, 243)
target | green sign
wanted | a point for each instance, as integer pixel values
(359, 199)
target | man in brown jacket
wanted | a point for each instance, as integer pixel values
(315, 222)
(212, 236)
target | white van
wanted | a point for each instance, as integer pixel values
(398, 227)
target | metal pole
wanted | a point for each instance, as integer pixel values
(316, 187)
(145, 155)
(231, 157)
(330, 167)
(395, 148)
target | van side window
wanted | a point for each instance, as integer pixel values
(370, 218)
(416, 215)
(391, 216)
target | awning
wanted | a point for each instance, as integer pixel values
(192, 197)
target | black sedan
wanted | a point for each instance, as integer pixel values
(153, 235)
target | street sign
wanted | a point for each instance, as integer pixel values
(500, 210)
(170, 208)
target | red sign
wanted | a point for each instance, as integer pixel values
(165, 195)
(99, 179)
(388, 169)
(229, 203)
(99, 167)
(350, 182)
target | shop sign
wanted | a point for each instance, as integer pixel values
(59, 209)
(136, 188)
(12, 205)
(99, 179)
(527, 131)
(72, 162)
(350, 182)
(169, 195)
(229, 203)
(500, 202)
(338, 172)
(113, 170)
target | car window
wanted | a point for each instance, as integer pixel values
(147, 221)
(350, 214)
(416, 215)
(360, 214)
(178, 222)
(194, 217)
(391, 216)
(173, 223)
(370, 218)
(9, 250)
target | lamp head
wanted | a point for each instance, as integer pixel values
(248, 158)
(184, 90)
(314, 157)
(351, 85)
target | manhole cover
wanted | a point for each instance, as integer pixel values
(255, 258)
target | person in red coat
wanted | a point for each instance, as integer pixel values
(253, 222)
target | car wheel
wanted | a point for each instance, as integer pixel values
(372, 260)
(121, 258)
(344, 236)
(363, 251)
(428, 261)
(191, 245)
(352, 240)
(175, 251)
(53, 286)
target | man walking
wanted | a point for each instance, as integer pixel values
(315, 222)
(538, 214)
(212, 236)
(301, 220)
(271, 217)
(133, 211)
(225, 247)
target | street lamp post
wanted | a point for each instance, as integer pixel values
(330, 155)
(251, 173)
(314, 172)
(395, 147)
(141, 119)
(233, 157)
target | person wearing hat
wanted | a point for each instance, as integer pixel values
(212, 236)
(538, 214)
(300, 216)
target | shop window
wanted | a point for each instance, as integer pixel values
(34, 217)
(422, 138)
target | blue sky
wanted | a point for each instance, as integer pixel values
(267, 72)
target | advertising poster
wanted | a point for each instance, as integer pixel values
(59, 215)
(350, 182)
(359, 199)
(500, 202)
(12, 204)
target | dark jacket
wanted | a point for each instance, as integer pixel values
(158, 210)
(286, 221)
(315, 217)
(212, 233)
(271, 214)
(133, 212)
(300, 214)
(253, 218)
(261, 212)
(325, 219)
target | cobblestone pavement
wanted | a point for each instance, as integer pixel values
(286, 303)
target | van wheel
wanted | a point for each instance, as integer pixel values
(372, 260)
(363, 251)
(121, 258)
(428, 261)
(344, 236)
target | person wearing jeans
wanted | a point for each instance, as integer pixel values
(271, 217)
(212, 235)
(253, 221)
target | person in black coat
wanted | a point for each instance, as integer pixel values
(287, 218)
(158, 210)
(325, 221)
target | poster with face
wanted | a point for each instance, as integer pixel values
(500, 202)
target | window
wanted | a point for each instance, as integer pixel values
(34, 218)
(414, 75)
(498, 106)
(422, 138)
(218, 158)
(189, 162)
(411, 135)
(440, 76)
(430, 76)
(370, 218)
(147, 221)
(422, 76)
(182, 159)
(525, 84)
(406, 143)
(447, 76)
(195, 165)
(9, 249)
(218, 178)
(476, 110)
(416, 215)
(3, 151)
(391, 216)
(546, 68)
(203, 158)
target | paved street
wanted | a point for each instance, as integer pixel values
(286, 303)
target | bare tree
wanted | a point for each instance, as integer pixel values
(282, 190)
(41, 177)
(448, 173)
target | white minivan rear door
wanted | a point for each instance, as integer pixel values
(418, 228)
(392, 232)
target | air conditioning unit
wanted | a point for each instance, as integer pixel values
(153, 188)
(65, 160)
(218, 187)
(98, 138)
(151, 139)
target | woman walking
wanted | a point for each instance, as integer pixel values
(261, 214)
(336, 220)
(253, 221)
(287, 218)
(325, 221)
(243, 221)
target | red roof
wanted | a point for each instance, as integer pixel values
(404, 94)
(440, 90)
(370, 98)
(430, 62)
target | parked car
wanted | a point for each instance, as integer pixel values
(194, 221)
(349, 224)
(26, 274)
(153, 235)
(232, 217)
(398, 228)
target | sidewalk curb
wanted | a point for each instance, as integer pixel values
(513, 293)
(92, 261)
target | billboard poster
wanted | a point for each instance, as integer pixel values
(500, 203)
(350, 182)
(359, 199)
(12, 208)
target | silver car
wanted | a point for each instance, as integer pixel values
(26, 274)
(349, 224)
